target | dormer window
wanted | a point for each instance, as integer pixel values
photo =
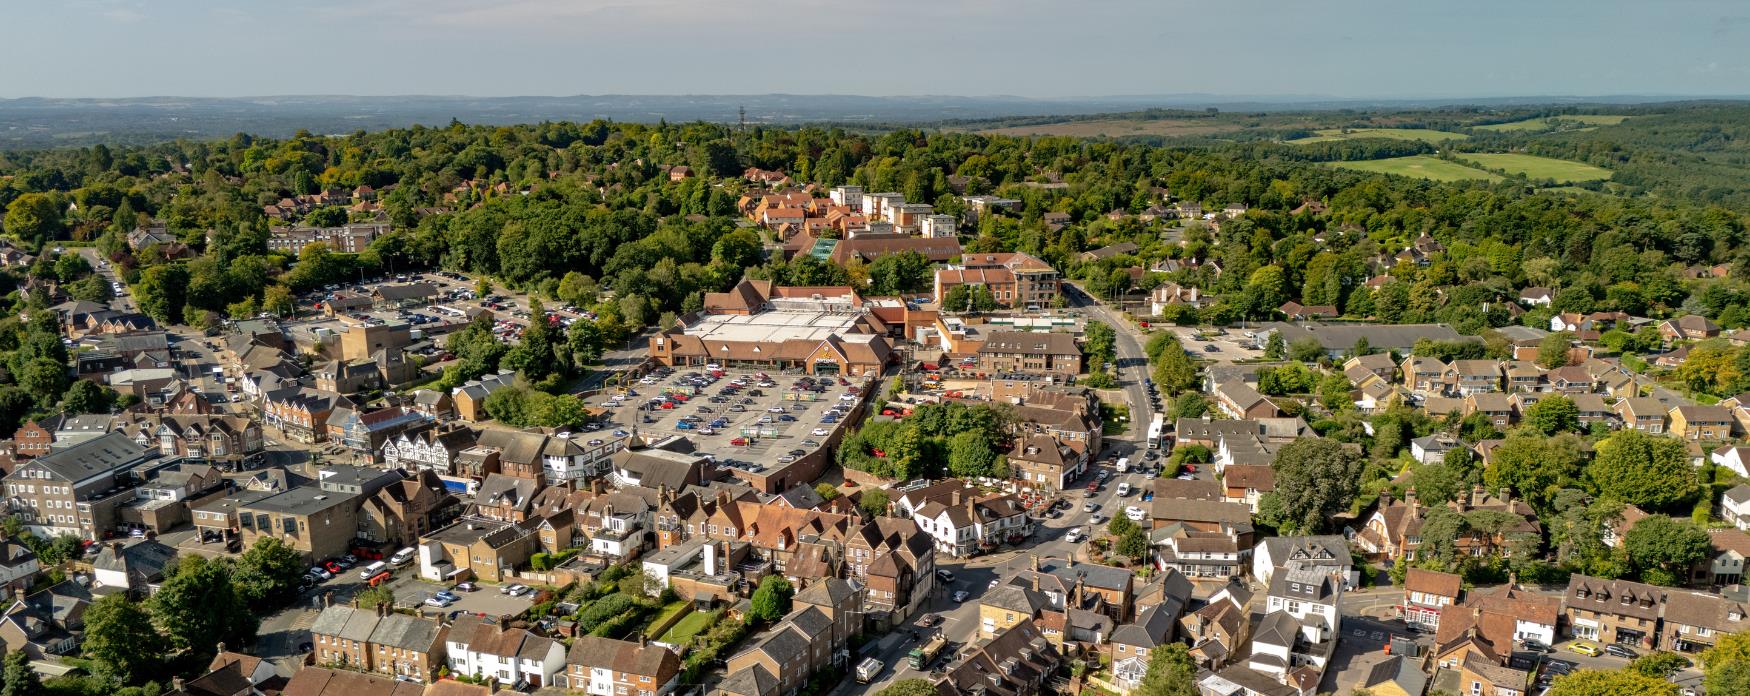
(1628, 599)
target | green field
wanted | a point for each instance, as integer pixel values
(1538, 168)
(1421, 167)
(1422, 134)
(1543, 124)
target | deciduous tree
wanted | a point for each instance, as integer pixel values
(1641, 469)
(120, 640)
(1315, 479)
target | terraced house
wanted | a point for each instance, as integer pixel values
(379, 641)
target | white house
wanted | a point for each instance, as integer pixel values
(961, 527)
(511, 656)
(17, 564)
(1310, 595)
(1431, 449)
(1536, 297)
(1329, 552)
(1733, 458)
(1735, 506)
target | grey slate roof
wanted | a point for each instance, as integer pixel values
(103, 454)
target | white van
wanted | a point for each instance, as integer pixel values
(371, 570)
(403, 557)
(1123, 464)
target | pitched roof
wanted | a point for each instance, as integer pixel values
(629, 657)
(319, 681)
(1433, 582)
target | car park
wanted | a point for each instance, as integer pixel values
(1090, 506)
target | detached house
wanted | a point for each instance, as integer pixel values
(1689, 327)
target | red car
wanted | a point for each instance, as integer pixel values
(333, 567)
(368, 554)
(739, 442)
(1093, 486)
(1191, 468)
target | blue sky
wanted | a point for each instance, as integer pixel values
(1035, 48)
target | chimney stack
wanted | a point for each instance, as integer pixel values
(176, 684)
(221, 647)
(327, 599)
(642, 642)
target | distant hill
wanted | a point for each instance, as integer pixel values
(36, 122)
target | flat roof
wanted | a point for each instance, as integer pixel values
(775, 326)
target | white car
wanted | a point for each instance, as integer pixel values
(1136, 514)
(820, 432)
(517, 590)
(1074, 536)
(1123, 489)
(847, 396)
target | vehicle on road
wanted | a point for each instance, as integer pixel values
(868, 669)
(961, 595)
(372, 569)
(466, 587)
(945, 575)
(928, 620)
(403, 557)
(1534, 645)
(1074, 536)
(1090, 506)
(1585, 648)
(1136, 514)
(1122, 466)
(1621, 651)
(921, 657)
(1123, 489)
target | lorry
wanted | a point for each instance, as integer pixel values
(868, 669)
(923, 656)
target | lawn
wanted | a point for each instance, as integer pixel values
(1538, 168)
(683, 632)
(1421, 167)
(1422, 134)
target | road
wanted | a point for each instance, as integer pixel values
(120, 303)
(1132, 362)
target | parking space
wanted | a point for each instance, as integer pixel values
(1217, 345)
(487, 600)
(748, 418)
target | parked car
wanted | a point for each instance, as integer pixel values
(1621, 651)
(960, 595)
(438, 601)
(1585, 648)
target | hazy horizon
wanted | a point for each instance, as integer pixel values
(1036, 49)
